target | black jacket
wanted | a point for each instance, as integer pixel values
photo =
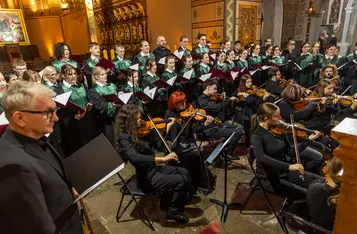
(34, 188)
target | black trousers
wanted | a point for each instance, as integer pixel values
(194, 163)
(223, 131)
(311, 159)
(175, 181)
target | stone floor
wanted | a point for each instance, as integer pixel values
(103, 204)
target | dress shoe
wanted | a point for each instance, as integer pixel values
(177, 217)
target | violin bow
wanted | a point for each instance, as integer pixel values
(182, 129)
(262, 85)
(161, 137)
(297, 153)
(346, 90)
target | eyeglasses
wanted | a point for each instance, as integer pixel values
(48, 113)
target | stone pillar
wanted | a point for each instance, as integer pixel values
(345, 43)
(92, 26)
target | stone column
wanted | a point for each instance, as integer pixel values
(345, 44)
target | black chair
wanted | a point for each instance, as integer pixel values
(296, 223)
(130, 188)
(257, 185)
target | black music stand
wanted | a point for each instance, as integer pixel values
(221, 149)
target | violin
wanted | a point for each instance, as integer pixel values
(259, 92)
(198, 114)
(345, 101)
(286, 128)
(217, 97)
(147, 126)
(284, 83)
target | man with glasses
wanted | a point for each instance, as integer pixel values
(35, 191)
(183, 46)
(201, 48)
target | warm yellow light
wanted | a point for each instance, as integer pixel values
(33, 5)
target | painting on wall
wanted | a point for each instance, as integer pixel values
(12, 27)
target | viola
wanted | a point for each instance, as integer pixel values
(147, 126)
(198, 114)
(286, 128)
(284, 83)
(217, 97)
(259, 92)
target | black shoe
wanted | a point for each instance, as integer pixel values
(177, 217)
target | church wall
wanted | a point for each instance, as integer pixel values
(171, 23)
(44, 32)
(75, 31)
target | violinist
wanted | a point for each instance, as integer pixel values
(275, 165)
(77, 128)
(103, 110)
(321, 119)
(330, 72)
(292, 95)
(185, 145)
(248, 104)
(141, 154)
(322, 198)
(350, 112)
(273, 84)
(222, 111)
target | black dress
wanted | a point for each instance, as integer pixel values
(274, 156)
(188, 152)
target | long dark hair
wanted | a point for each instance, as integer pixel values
(59, 49)
(242, 86)
(127, 121)
(319, 89)
(266, 109)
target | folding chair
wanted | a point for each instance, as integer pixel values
(130, 188)
(257, 185)
(299, 223)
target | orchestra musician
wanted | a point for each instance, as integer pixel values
(141, 154)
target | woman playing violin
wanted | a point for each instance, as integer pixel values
(275, 167)
(292, 95)
(273, 84)
(330, 72)
(248, 105)
(184, 144)
(141, 154)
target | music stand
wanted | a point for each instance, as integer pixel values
(221, 149)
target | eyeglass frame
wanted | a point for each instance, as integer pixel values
(48, 113)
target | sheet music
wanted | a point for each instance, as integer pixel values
(171, 81)
(134, 67)
(178, 54)
(150, 92)
(3, 119)
(234, 75)
(63, 98)
(125, 97)
(188, 74)
(205, 77)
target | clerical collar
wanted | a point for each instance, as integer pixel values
(203, 65)
(119, 58)
(130, 84)
(68, 85)
(328, 57)
(183, 48)
(100, 84)
(49, 83)
(201, 46)
(142, 54)
(169, 70)
(150, 73)
(94, 57)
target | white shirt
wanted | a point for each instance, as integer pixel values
(204, 65)
(100, 84)
(119, 58)
(49, 83)
(130, 84)
(142, 54)
(328, 57)
(183, 48)
(201, 46)
(68, 85)
(94, 58)
(149, 73)
(169, 70)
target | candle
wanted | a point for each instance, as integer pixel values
(105, 54)
(112, 54)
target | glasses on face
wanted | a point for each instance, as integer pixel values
(48, 113)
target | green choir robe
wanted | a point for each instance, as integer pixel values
(306, 75)
(325, 61)
(202, 69)
(242, 64)
(186, 51)
(230, 64)
(279, 60)
(170, 74)
(255, 60)
(50, 85)
(353, 71)
(222, 67)
(121, 64)
(91, 62)
(186, 69)
(128, 88)
(78, 95)
(105, 90)
(59, 63)
(142, 60)
(148, 80)
(200, 50)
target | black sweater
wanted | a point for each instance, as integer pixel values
(286, 109)
(212, 108)
(272, 154)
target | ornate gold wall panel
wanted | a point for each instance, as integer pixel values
(248, 21)
(208, 18)
(122, 21)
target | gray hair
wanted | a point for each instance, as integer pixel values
(22, 94)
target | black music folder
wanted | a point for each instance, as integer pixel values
(92, 165)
